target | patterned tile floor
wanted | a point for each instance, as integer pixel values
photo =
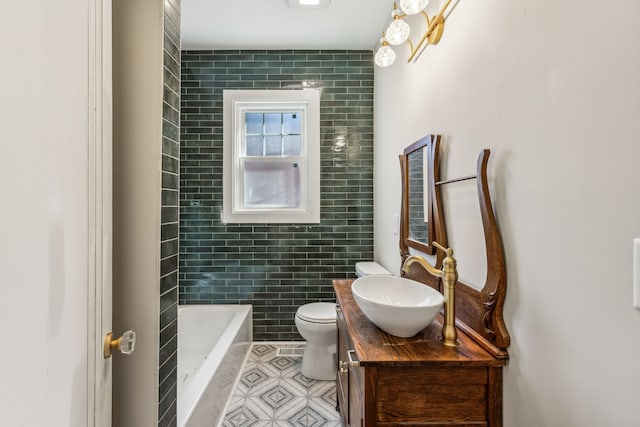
(273, 392)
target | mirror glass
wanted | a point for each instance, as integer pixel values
(418, 211)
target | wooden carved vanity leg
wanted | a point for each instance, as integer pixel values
(494, 401)
(370, 412)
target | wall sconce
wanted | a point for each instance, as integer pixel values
(399, 31)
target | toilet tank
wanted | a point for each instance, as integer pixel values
(369, 268)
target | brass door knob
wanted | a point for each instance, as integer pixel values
(125, 344)
(343, 367)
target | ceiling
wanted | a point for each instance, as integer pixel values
(272, 24)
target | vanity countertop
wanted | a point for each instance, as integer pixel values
(375, 347)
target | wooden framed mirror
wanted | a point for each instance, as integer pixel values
(418, 170)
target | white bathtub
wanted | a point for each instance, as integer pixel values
(213, 341)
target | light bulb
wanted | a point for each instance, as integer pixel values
(385, 56)
(398, 32)
(411, 7)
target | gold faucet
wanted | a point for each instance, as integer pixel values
(449, 275)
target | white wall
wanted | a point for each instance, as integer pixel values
(44, 69)
(553, 88)
(137, 139)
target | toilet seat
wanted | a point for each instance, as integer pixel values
(317, 312)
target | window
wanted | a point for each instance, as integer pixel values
(271, 156)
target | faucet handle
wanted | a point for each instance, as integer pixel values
(448, 251)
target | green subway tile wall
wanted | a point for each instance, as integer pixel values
(275, 267)
(168, 374)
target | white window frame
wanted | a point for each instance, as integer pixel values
(235, 104)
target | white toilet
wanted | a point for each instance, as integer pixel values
(316, 322)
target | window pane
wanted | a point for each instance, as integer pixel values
(273, 123)
(271, 184)
(273, 145)
(254, 145)
(253, 123)
(291, 145)
(291, 123)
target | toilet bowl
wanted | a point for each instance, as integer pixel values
(316, 322)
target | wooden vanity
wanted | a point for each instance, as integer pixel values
(413, 381)
(384, 380)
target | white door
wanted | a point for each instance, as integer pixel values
(100, 211)
(55, 212)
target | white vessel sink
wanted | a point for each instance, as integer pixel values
(398, 306)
